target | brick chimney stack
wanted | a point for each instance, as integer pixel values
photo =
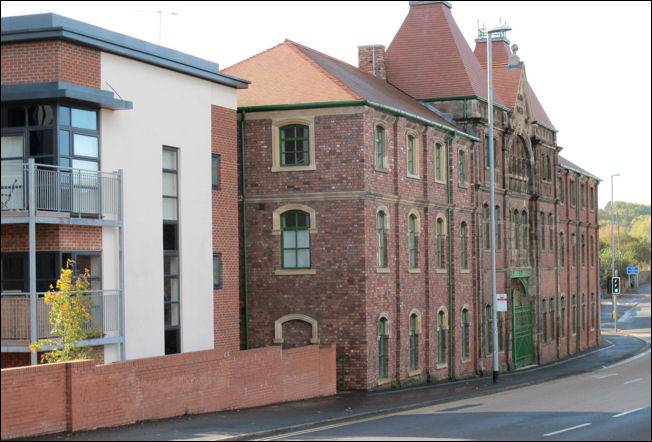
(371, 58)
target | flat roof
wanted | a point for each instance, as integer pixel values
(53, 26)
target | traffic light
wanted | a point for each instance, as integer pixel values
(609, 285)
(616, 285)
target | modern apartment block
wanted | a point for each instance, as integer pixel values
(367, 202)
(120, 155)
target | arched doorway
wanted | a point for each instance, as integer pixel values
(522, 313)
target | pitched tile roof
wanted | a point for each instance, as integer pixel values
(290, 73)
(429, 57)
(537, 109)
(563, 162)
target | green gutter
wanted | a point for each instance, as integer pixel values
(451, 371)
(466, 97)
(382, 107)
(244, 229)
(545, 126)
(580, 172)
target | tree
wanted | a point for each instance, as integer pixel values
(69, 312)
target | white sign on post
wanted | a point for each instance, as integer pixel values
(501, 304)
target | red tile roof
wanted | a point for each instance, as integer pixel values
(429, 57)
(563, 162)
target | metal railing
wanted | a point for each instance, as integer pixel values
(61, 189)
(15, 314)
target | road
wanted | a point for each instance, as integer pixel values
(608, 404)
(633, 313)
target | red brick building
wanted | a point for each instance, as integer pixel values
(366, 209)
(131, 144)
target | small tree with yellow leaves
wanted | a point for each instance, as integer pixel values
(69, 311)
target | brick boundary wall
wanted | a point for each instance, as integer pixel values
(81, 395)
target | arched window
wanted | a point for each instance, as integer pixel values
(463, 246)
(486, 218)
(583, 251)
(295, 146)
(415, 330)
(498, 223)
(592, 311)
(499, 315)
(517, 220)
(574, 314)
(466, 325)
(295, 240)
(562, 317)
(561, 249)
(441, 337)
(551, 232)
(381, 239)
(542, 227)
(551, 329)
(440, 163)
(383, 337)
(573, 250)
(412, 241)
(488, 320)
(592, 257)
(461, 156)
(544, 321)
(524, 229)
(583, 317)
(591, 198)
(412, 156)
(380, 148)
(440, 243)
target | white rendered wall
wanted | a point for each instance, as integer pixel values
(169, 109)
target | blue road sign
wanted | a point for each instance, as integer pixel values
(632, 270)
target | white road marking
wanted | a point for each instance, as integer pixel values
(605, 376)
(632, 381)
(567, 429)
(627, 412)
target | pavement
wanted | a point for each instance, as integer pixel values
(632, 338)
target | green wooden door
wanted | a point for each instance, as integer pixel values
(523, 345)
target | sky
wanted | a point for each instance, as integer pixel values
(588, 62)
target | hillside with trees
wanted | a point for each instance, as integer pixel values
(632, 237)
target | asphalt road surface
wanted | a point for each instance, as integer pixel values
(608, 404)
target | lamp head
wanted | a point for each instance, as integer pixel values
(501, 28)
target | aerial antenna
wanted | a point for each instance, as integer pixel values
(160, 14)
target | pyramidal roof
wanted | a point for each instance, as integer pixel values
(430, 58)
(290, 73)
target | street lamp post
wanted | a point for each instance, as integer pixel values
(494, 315)
(613, 271)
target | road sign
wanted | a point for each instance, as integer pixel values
(501, 302)
(632, 270)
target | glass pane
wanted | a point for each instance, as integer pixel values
(170, 233)
(289, 220)
(13, 267)
(84, 119)
(13, 117)
(171, 289)
(86, 146)
(64, 162)
(64, 116)
(303, 258)
(169, 184)
(42, 115)
(289, 259)
(175, 314)
(83, 263)
(303, 239)
(289, 240)
(85, 165)
(288, 158)
(170, 209)
(303, 219)
(41, 142)
(215, 165)
(217, 270)
(169, 159)
(45, 265)
(64, 142)
(171, 265)
(12, 146)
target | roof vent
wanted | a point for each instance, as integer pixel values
(514, 61)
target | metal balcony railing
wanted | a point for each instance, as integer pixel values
(61, 189)
(15, 314)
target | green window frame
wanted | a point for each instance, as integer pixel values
(414, 343)
(488, 324)
(440, 243)
(295, 240)
(524, 230)
(562, 318)
(544, 320)
(383, 359)
(380, 147)
(497, 218)
(463, 246)
(465, 333)
(441, 337)
(551, 329)
(573, 250)
(500, 331)
(294, 145)
(438, 174)
(411, 165)
(583, 250)
(560, 189)
(561, 249)
(486, 231)
(412, 242)
(381, 240)
(574, 314)
(551, 232)
(461, 155)
(516, 235)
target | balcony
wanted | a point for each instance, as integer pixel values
(60, 195)
(16, 318)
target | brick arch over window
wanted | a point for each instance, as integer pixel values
(276, 217)
(278, 327)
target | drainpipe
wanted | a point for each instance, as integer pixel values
(577, 255)
(33, 297)
(244, 229)
(451, 371)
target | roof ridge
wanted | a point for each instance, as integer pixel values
(297, 47)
